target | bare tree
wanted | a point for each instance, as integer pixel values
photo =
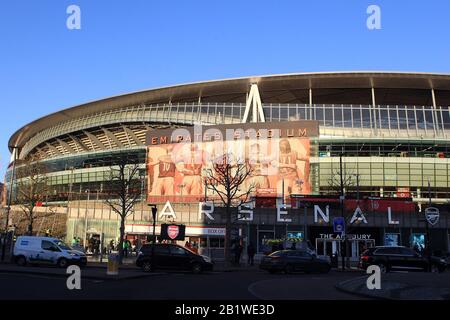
(123, 193)
(334, 181)
(32, 188)
(226, 179)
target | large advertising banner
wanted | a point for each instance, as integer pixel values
(181, 162)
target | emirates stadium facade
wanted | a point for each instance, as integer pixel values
(389, 131)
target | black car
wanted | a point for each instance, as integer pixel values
(399, 258)
(294, 260)
(172, 257)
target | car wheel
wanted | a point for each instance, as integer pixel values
(62, 263)
(383, 268)
(196, 268)
(21, 261)
(288, 269)
(146, 266)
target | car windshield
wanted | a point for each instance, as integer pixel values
(276, 254)
(62, 245)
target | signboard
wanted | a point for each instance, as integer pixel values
(403, 193)
(432, 215)
(181, 162)
(339, 225)
(173, 232)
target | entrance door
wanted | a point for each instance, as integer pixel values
(327, 247)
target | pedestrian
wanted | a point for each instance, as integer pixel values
(125, 248)
(111, 246)
(250, 253)
(74, 242)
(195, 247)
(188, 245)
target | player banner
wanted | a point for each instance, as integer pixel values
(180, 162)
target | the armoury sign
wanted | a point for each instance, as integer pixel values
(181, 162)
(283, 213)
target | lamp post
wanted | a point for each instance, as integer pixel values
(343, 242)
(427, 228)
(154, 212)
(85, 216)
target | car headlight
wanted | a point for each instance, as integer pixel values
(443, 261)
(74, 254)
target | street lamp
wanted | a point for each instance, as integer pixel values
(154, 212)
(85, 216)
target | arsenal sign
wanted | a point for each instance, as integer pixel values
(173, 232)
(432, 215)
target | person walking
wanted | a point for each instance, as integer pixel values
(251, 254)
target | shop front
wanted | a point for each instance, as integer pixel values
(328, 243)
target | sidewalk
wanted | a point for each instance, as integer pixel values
(402, 286)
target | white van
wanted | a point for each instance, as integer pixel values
(45, 250)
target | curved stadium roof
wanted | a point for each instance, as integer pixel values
(283, 88)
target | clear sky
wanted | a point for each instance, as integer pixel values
(132, 45)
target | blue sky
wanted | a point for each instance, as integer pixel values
(132, 45)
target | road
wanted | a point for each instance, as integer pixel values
(241, 285)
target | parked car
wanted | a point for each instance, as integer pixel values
(46, 250)
(294, 260)
(172, 257)
(399, 258)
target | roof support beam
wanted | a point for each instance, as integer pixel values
(53, 148)
(254, 101)
(66, 146)
(131, 134)
(94, 139)
(78, 142)
(112, 137)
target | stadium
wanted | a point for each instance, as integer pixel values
(381, 139)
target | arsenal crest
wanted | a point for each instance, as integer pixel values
(173, 232)
(432, 215)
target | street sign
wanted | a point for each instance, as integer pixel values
(432, 215)
(339, 225)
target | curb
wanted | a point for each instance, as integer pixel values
(339, 287)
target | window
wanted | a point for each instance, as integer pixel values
(49, 246)
(387, 251)
(406, 251)
(178, 251)
(300, 254)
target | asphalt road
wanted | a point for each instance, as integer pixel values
(245, 285)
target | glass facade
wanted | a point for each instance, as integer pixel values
(384, 148)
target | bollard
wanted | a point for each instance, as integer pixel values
(113, 265)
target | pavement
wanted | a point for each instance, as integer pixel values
(181, 286)
(402, 286)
